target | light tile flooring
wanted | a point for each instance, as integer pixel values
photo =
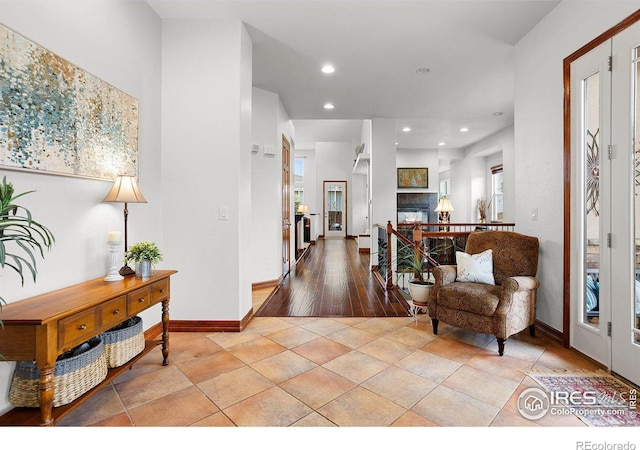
(330, 372)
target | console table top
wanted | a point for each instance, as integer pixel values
(53, 305)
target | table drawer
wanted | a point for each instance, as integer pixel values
(159, 291)
(113, 312)
(76, 329)
(138, 300)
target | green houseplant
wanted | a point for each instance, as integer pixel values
(21, 237)
(415, 263)
(144, 254)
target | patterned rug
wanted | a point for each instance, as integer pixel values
(597, 398)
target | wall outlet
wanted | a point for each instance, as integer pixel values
(534, 214)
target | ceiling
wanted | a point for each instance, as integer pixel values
(377, 48)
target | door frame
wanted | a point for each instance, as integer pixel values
(286, 206)
(324, 205)
(567, 158)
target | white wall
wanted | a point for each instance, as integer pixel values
(120, 43)
(471, 176)
(334, 162)
(266, 232)
(539, 132)
(206, 132)
(419, 157)
(383, 179)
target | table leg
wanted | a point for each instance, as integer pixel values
(46, 395)
(165, 332)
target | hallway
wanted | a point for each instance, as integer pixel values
(333, 280)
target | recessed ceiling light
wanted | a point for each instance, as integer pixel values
(441, 144)
(406, 129)
(396, 143)
(328, 106)
(497, 113)
(423, 71)
(464, 129)
(328, 68)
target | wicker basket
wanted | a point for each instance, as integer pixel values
(74, 373)
(123, 342)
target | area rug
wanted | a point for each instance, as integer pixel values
(597, 398)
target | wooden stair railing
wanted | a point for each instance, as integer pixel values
(422, 231)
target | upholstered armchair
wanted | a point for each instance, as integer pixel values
(464, 296)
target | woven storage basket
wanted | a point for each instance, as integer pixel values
(123, 342)
(73, 375)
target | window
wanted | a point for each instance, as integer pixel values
(445, 187)
(496, 193)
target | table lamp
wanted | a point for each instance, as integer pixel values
(125, 190)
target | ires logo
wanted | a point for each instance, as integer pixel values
(533, 403)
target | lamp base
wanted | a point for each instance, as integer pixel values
(126, 271)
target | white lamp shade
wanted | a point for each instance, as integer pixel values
(125, 190)
(444, 205)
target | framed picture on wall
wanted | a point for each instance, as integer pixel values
(413, 177)
(57, 118)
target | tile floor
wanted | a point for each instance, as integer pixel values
(330, 372)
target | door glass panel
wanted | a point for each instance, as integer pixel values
(334, 204)
(636, 143)
(591, 148)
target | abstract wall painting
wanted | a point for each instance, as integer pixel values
(56, 118)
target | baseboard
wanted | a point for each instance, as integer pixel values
(549, 331)
(364, 250)
(265, 284)
(200, 326)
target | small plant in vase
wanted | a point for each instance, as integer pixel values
(144, 255)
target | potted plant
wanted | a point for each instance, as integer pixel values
(145, 255)
(415, 263)
(21, 237)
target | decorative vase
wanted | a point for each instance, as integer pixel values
(143, 269)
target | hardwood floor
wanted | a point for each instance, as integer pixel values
(333, 280)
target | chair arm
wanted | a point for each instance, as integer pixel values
(444, 274)
(515, 288)
(514, 284)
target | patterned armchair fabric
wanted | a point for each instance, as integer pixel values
(503, 309)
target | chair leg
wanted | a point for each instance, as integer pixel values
(532, 330)
(501, 345)
(434, 323)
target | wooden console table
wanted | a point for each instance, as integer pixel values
(42, 327)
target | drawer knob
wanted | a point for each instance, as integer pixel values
(116, 311)
(141, 300)
(162, 291)
(82, 327)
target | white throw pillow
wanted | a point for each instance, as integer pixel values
(475, 268)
